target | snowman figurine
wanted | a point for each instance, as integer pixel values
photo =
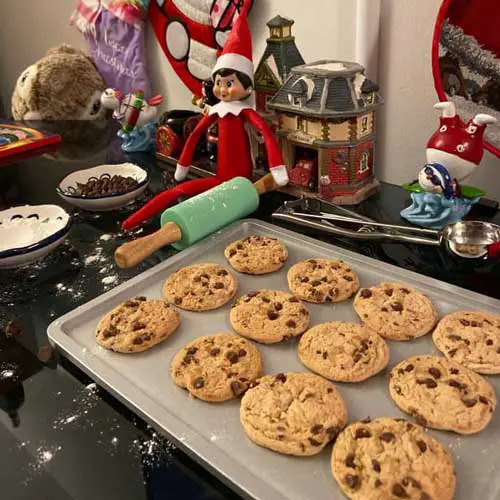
(453, 152)
(136, 115)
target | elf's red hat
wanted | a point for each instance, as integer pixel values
(237, 53)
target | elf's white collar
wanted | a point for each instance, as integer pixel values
(234, 107)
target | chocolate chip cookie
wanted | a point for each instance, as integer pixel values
(343, 352)
(137, 325)
(269, 316)
(256, 255)
(470, 338)
(217, 367)
(322, 280)
(442, 394)
(389, 459)
(293, 413)
(395, 311)
(200, 287)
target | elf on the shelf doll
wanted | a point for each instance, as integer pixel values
(233, 86)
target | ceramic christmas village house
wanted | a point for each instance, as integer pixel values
(326, 129)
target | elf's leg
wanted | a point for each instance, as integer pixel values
(163, 200)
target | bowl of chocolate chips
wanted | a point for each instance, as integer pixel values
(106, 187)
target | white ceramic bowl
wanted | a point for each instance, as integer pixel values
(109, 201)
(30, 232)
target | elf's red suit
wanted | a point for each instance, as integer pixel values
(233, 156)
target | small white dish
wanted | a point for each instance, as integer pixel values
(28, 233)
(104, 202)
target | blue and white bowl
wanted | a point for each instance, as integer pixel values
(30, 232)
(108, 201)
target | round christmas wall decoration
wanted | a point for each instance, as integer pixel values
(466, 61)
(192, 34)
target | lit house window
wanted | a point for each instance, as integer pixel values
(364, 124)
(369, 98)
(301, 124)
(363, 162)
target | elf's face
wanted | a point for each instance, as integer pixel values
(229, 88)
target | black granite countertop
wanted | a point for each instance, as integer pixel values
(62, 437)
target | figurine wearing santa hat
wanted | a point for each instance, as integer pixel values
(453, 152)
(233, 86)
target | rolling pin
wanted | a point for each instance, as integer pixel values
(190, 221)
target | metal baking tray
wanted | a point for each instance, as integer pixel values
(211, 433)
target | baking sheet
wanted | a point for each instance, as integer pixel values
(212, 433)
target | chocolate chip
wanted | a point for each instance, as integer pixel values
(242, 353)
(196, 279)
(312, 261)
(138, 326)
(475, 324)
(278, 306)
(316, 429)
(237, 388)
(138, 341)
(329, 390)
(280, 428)
(397, 389)
(352, 481)
(230, 374)
(280, 437)
(466, 341)
(428, 382)
(332, 292)
(281, 377)
(422, 446)
(348, 278)
(399, 491)
(325, 355)
(424, 496)
(366, 420)
(385, 309)
(397, 306)
(198, 383)
(272, 315)
(498, 350)
(178, 300)
(314, 442)
(465, 322)
(483, 400)
(222, 272)
(316, 283)
(192, 350)
(452, 352)
(411, 480)
(362, 433)
(141, 298)
(356, 357)
(214, 351)
(267, 300)
(108, 333)
(376, 465)
(324, 279)
(378, 483)
(387, 437)
(252, 294)
(489, 342)
(389, 292)
(405, 290)
(469, 402)
(291, 324)
(232, 357)
(365, 293)
(420, 419)
(218, 285)
(349, 461)
(131, 303)
(409, 368)
(293, 299)
(305, 279)
(303, 312)
(454, 337)
(454, 383)
(239, 246)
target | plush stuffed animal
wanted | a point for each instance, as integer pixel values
(63, 85)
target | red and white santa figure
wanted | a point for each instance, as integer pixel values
(457, 146)
(233, 76)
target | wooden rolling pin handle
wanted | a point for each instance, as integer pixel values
(134, 252)
(265, 184)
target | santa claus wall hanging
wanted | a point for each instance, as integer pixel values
(192, 34)
(233, 76)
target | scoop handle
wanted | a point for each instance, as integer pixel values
(134, 252)
(494, 250)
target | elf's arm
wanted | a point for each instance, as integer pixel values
(186, 158)
(276, 163)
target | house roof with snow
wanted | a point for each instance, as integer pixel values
(327, 89)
